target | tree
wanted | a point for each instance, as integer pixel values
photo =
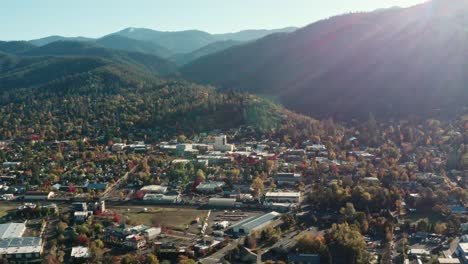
(440, 228)
(200, 175)
(152, 259)
(346, 244)
(310, 244)
(61, 226)
(257, 186)
(82, 239)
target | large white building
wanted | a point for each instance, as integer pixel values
(11, 230)
(221, 144)
(283, 197)
(21, 249)
(462, 252)
(254, 223)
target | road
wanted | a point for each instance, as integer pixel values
(218, 255)
(116, 185)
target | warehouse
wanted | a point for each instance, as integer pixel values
(283, 197)
(254, 223)
(21, 249)
(222, 202)
(12, 230)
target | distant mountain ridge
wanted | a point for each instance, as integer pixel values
(151, 63)
(164, 43)
(390, 62)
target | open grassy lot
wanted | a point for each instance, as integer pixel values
(5, 208)
(173, 218)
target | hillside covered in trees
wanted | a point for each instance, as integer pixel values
(63, 97)
(391, 62)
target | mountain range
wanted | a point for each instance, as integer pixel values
(177, 44)
(392, 62)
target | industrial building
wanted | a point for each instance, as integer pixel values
(283, 197)
(287, 178)
(254, 223)
(222, 202)
(11, 230)
(154, 189)
(21, 249)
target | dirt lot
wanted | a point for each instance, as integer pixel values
(173, 218)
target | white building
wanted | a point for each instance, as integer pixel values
(221, 144)
(36, 196)
(222, 202)
(462, 252)
(283, 197)
(135, 241)
(152, 233)
(80, 252)
(255, 223)
(11, 230)
(21, 249)
(154, 189)
(287, 178)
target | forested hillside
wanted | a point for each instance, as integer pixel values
(393, 63)
(90, 96)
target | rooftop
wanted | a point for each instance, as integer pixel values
(11, 230)
(255, 221)
(283, 194)
(80, 252)
(20, 245)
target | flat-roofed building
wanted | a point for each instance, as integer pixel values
(287, 178)
(11, 230)
(254, 223)
(80, 253)
(21, 249)
(283, 197)
(154, 189)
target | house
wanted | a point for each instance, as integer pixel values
(21, 249)
(117, 147)
(135, 241)
(97, 186)
(81, 217)
(80, 253)
(288, 197)
(37, 196)
(287, 178)
(254, 223)
(247, 256)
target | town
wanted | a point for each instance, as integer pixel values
(368, 193)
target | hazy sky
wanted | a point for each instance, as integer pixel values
(29, 19)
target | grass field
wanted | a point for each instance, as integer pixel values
(5, 208)
(173, 218)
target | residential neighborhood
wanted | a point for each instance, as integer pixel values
(225, 198)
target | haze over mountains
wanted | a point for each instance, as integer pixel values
(390, 62)
(175, 44)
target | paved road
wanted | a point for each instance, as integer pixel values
(113, 188)
(218, 255)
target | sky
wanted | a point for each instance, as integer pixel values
(31, 19)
